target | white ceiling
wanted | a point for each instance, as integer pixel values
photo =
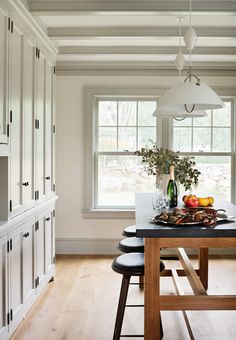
(138, 31)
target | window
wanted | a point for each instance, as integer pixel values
(210, 140)
(119, 125)
(123, 126)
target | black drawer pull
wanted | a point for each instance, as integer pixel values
(47, 219)
(48, 177)
(26, 234)
(26, 184)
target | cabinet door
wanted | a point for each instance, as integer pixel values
(3, 73)
(21, 272)
(16, 54)
(48, 130)
(49, 257)
(28, 263)
(39, 252)
(3, 288)
(28, 124)
(39, 132)
(15, 278)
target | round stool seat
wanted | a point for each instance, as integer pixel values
(131, 264)
(131, 245)
(129, 231)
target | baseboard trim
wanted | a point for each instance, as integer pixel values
(108, 246)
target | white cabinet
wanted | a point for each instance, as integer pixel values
(44, 240)
(28, 124)
(48, 129)
(40, 126)
(30, 250)
(3, 288)
(16, 91)
(15, 247)
(3, 73)
(28, 263)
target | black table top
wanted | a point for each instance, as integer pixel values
(145, 228)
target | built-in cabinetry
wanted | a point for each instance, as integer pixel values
(27, 264)
(4, 15)
(27, 170)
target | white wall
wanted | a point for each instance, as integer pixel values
(73, 233)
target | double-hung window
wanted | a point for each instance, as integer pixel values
(211, 141)
(123, 125)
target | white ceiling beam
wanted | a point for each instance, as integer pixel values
(89, 32)
(143, 50)
(129, 6)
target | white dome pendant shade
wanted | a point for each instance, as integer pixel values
(180, 115)
(189, 96)
(190, 38)
(180, 61)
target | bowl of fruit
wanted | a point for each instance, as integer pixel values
(192, 201)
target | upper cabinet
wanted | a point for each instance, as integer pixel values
(16, 44)
(3, 74)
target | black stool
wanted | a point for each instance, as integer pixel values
(131, 264)
(129, 231)
(131, 245)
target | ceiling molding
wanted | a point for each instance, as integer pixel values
(153, 65)
(143, 50)
(78, 32)
(129, 6)
(69, 70)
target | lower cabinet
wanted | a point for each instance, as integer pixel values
(27, 264)
(3, 288)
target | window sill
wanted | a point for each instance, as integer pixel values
(108, 214)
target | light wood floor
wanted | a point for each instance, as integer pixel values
(81, 304)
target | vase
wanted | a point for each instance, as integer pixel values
(162, 182)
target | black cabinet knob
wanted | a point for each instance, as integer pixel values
(47, 219)
(26, 184)
(26, 234)
(48, 177)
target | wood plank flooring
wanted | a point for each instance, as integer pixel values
(81, 304)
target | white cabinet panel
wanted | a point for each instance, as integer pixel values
(39, 132)
(40, 251)
(16, 49)
(28, 124)
(28, 262)
(3, 287)
(15, 277)
(3, 73)
(48, 130)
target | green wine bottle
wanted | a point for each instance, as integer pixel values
(172, 191)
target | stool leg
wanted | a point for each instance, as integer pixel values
(121, 307)
(161, 328)
(141, 282)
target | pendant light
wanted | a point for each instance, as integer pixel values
(190, 95)
(179, 62)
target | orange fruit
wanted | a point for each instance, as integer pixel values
(210, 200)
(203, 201)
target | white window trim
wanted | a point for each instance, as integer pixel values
(90, 96)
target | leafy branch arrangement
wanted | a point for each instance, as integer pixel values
(157, 162)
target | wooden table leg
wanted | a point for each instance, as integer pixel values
(152, 290)
(203, 266)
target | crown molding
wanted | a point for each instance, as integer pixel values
(129, 6)
(20, 9)
(137, 31)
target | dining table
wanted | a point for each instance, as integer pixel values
(196, 236)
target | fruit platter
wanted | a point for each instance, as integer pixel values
(190, 216)
(193, 201)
